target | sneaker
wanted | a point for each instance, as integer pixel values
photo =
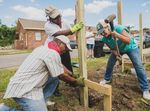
(146, 95)
(50, 103)
(104, 81)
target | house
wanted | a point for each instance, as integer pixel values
(30, 34)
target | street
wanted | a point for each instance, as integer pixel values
(7, 61)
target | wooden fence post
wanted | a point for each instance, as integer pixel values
(82, 51)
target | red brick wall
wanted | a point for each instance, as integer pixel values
(20, 43)
(31, 39)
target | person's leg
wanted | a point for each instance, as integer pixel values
(50, 87)
(92, 50)
(32, 105)
(110, 65)
(88, 52)
(141, 74)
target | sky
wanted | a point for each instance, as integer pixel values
(95, 11)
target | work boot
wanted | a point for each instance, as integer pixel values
(146, 95)
(104, 82)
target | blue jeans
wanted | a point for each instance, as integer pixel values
(137, 63)
(36, 105)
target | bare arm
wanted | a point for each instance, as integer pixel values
(124, 36)
(66, 71)
(63, 32)
(67, 78)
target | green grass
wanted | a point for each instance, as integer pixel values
(13, 51)
(6, 74)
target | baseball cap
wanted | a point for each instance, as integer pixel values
(100, 27)
(52, 12)
(65, 40)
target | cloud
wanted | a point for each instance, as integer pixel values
(97, 6)
(8, 17)
(30, 12)
(32, 0)
(145, 3)
(68, 12)
(1, 1)
(147, 11)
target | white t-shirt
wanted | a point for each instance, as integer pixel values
(90, 38)
(51, 29)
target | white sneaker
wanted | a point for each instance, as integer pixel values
(50, 103)
(146, 95)
(104, 82)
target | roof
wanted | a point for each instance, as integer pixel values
(29, 24)
(32, 24)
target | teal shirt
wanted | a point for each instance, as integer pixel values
(123, 47)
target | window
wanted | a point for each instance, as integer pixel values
(37, 35)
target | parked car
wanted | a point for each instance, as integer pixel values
(73, 44)
(146, 40)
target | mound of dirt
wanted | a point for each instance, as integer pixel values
(126, 95)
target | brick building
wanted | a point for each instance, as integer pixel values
(30, 34)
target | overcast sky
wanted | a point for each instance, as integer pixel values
(95, 10)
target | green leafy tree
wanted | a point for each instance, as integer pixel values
(7, 35)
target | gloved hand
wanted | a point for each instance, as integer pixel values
(75, 76)
(80, 82)
(76, 27)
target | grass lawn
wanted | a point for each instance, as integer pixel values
(6, 74)
(93, 65)
(14, 51)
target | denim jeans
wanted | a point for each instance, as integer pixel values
(137, 63)
(36, 105)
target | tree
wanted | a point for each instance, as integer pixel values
(7, 35)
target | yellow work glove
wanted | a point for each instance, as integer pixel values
(80, 82)
(76, 27)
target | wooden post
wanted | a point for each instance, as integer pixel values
(119, 9)
(82, 51)
(141, 35)
(104, 89)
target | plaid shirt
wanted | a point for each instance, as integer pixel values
(31, 76)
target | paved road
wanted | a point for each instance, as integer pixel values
(15, 60)
(12, 60)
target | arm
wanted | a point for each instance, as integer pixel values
(63, 32)
(67, 78)
(70, 31)
(67, 71)
(124, 36)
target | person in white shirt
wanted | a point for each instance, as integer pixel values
(90, 40)
(37, 77)
(55, 27)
